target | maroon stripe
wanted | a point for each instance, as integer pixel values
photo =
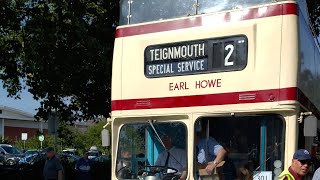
(207, 99)
(254, 13)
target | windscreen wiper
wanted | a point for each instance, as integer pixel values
(157, 135)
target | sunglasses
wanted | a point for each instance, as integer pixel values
(303, 162)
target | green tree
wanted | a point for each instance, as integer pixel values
(11, 45)
(34, 143)
(79, 140)
(62, 49)
(66, 134)
(93, 135)
(314, 11)
(31, 143)
(5, 140)
(70, 137)
(68, 53)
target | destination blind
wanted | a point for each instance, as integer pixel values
(193, 57)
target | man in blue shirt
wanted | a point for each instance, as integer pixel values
(215, 154)
(53, 169)
(83, 167)
(210, 154)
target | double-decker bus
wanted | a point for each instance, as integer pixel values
(244, 72)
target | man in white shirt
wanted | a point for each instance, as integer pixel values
(172, 157)
(124, 165)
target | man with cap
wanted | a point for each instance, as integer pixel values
(83, 167)
(53, 169)
(300, 166)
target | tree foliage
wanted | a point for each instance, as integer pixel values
(93, 135)
(314, 11)
(69, 137)
(11, 45)
(34, 143)
(62, 49)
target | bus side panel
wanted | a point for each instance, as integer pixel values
(317, 83)
(289, 52)
(309, 80)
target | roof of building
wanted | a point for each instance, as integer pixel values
(12, 113)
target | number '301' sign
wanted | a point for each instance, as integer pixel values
(262, 175)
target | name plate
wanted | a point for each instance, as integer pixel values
(194, 57)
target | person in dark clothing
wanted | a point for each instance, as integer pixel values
(53, 169)
(83, 167)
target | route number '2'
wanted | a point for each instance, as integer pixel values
(230, 49)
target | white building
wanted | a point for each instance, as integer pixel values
(13, 122)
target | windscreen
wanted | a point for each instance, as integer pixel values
(151, 149)
(11, 150)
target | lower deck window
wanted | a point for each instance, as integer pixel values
(253, 145)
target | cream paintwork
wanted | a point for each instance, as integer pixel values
(291, 137)
(190, 119)
(136, 81)
(273, 60)
(263, 61)
(289, 52)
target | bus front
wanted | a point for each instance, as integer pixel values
(211, 68)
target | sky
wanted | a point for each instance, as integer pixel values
(26, 103)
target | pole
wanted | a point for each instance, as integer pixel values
(54, 118)
(24, 144)
(2, 130)
(41, 126)
(41, 144)
(55, 141)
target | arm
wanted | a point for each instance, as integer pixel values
(183, 175)
(60, 175)
(220, 156)
(76, 167)
(183, 161)
(220, 153)
(59, 169)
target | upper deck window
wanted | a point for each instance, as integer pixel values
(140, 11)
(210, 6)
